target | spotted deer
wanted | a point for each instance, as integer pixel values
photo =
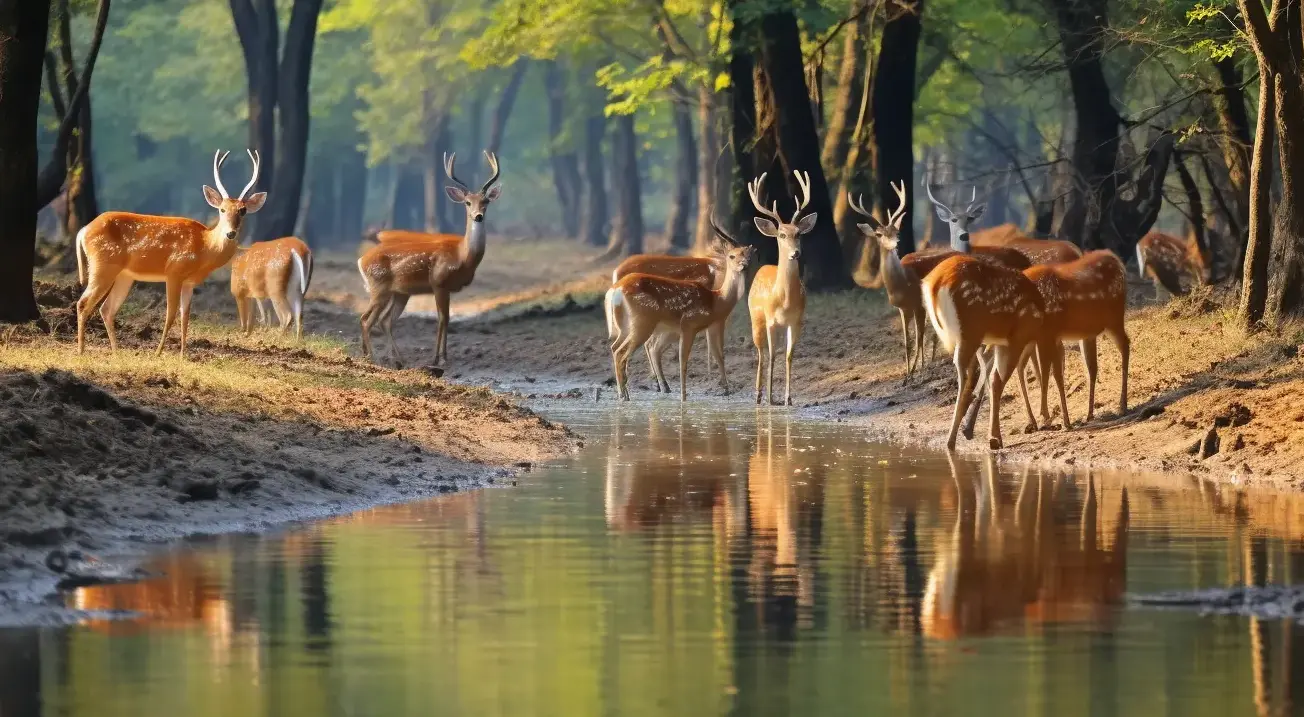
(958, 223)
(641, 304)
(117, 249)
(972, 303)
(279, 270)
(1165, 259)
(404, 264)
(777, 300)
(705, 270)
(1038, 251)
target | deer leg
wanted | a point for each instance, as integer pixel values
(639, 332)
(964, 359)
(1023, 390)
(1057, 370)
(284, 313)
(794, 333)
(1089, 356)
(715, 347)
(397, 303)
(187, 292)
(170, 315)
(905, 340)
(974, 400)
(1124, 344)
(685, 348)
(759, 338)
(441, 348)
(97, 287)
(379, 302)
(771, 341)
(921, 322)
(1005, 361)
(109, 309)
(656, 348)
(262, 311)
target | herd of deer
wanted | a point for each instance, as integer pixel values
(993, 302)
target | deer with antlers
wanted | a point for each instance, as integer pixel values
(705, 270)
(278, 270)
(117, 249)
(641, 304)
(404, 263)
(777, 300)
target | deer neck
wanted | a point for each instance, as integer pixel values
(473, 241)
(218, 245)
(789, 277)
(893, 273)
(730, 291)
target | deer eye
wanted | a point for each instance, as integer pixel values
(221, 210)
(468, 202)
(242, 211)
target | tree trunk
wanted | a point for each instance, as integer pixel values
(846, 99)
(1286, 267)
(565, 164)
(742, 114)
(1195, 207)
(593, 225)
(256, 26)
(409, 199)
(681, 205)
(708, 148)
(24, 26)
(279, 217)
(319, 216)
(352, 196)
(894, 82)
(506, 100)
(432, 173)
(627, 224)
(790, 142)
(1236, 144)
(50, 181)
(81, 205)
(1258, 247)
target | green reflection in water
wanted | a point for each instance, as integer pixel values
(699, 563)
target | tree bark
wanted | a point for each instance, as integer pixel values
(81, 205)
(681, 206)
(503, 112)
(565, 164)
(1258, 246)
(319, 216)
(789, 141)
(50, 181)
(256, 27)
(1195, 207)
(352, 193)
(432, 173)
(846, 98)
(408, 211)
(593, 226)
(24, 26)
(627, 224)
(708, 148)
(279, 217)
(1286, 267)
(1236, 142)
(894, 82)
(742, 113)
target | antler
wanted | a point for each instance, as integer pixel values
(973, 200)
(928, 187)
(253, 155)
(857, 205)
(803, 181)
(218, 159)
(729, 238)
(493, 165)
(449, 161)
(900, 212)
(754, 189)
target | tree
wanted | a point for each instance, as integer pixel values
(565, 163)
(24, 25)
(893, 106)
(686, 179)
(627, 222)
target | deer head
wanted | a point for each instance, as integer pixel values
(476, 202)
(885, 233)
(737, 255)
(231, 212)
(788, 234)
(958, 221)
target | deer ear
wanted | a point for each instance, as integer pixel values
(942, 212)
(212, 197)
(767, 227)
(254, 203)
(977, 211)
(456, 194)
(494, 192)
(865, 229)
(807, 223)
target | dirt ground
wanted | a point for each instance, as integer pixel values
(1204, 397)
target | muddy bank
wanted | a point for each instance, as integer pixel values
(114, 453)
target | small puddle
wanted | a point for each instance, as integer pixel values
(704, 561)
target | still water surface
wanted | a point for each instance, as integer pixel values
(708, 562)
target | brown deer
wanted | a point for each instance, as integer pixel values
(403, 264)
(777, 300)
(117, 249)
(641, 304)
(279, 270)
(1166, 260)
(1038, 251)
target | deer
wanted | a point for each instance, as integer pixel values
(403, 264)
(1084, 299)
(705, 270)
(1165, 259)
(972, 303)
(279, 270)
(958, 223)
(117, 249)
(1038, 251)
(777, 300)
(682, 308)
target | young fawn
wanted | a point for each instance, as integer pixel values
(777, 300)
(1084, 299)
(704, 270)
(117, 249)
(972, 303)
(279, 270)
(1166, 260)
(648, 303)
(406, 263)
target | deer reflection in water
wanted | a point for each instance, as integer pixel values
(1026, 562)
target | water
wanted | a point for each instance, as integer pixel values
(700, 563)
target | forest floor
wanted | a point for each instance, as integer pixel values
(113, 452)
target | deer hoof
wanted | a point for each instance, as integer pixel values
(994, 443)
(967, 433)
(1031, 428)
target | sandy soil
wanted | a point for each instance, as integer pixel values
(1205, 398)
(114, 452)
